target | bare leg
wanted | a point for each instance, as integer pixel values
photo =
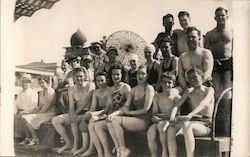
(189, 130)
(31, 129)
(171, 140)
(75, 132)
(217, 84)
(101, 131)
(57, 123)
(151, 136)
(163, 138)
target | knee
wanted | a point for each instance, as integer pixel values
(228, 95)
(115, 121)
(151, 133)
(55, 121)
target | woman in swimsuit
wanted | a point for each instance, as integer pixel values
(141, 98)
(119, 92)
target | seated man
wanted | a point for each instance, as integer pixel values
(198, 121)
(79, 101)
(25, 103)
(163, 104)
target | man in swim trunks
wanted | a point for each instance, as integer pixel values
(220, 42)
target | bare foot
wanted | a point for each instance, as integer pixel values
(73, 150)
(79, 151)
(66, 146)
(88, 153)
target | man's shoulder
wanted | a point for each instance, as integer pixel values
(209, 33)
(206, 51)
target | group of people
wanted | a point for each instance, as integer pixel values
(98, 96)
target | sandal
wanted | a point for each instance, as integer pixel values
(34, 142)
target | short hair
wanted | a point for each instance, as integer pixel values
(194, 70)
(168, 74)
(151, 47)
(112, 48)
(190, 29)
(101, 73)
(221, 9)
(168, 16)
(44, 78)
(165, 40)
(183, 13)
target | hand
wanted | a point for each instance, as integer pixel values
(172, 119)
(183, 118)
(156, 119)
(111, 116)
(94, 118)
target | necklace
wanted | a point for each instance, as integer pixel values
(116, 90)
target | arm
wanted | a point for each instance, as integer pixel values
(181, 74)
(71, 102)
(207, 41)
(175, 66)
(156, 44)
(149, 95)
(175, 109)
(93, 102)
(155, 105)
(46, 107)
(207, 99)
(208, 65)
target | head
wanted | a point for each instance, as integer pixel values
(44, 82)
(149, 50)
(117, 73)
(78, 75)
(112, 53)
(221, 16)
(166, 47)
(96, 48)
(74, 62)
(168, 80)
(26, 81)
(193, 38)
(195, 76)
(101, 79)
(87, 61)
(65, 66)
(142, 74)
(168, 22)
(133, 61)
(184, 19)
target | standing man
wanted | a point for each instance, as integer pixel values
(168, 23)
(220, 42)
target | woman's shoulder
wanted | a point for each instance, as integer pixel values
(149, 87)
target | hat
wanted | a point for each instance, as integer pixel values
(72, 57)
(133, 57)
(87, 57)
(112, 48)
(26, 77)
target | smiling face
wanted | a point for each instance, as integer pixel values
(116, 75)
(168, 23)
(101, 81)
(79, 77)
(148, 53)
(26, 84)
(141, 75)
(195, 79)
(112, 54)
(43, 84)
(221, 17)
(166, 49)
(65, 66)
(184, 21)
(75, 63)
(167, 83)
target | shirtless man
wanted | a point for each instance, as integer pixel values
(79, 101)
(220, 42)
(198, 121)
(195, 57)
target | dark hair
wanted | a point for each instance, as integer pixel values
(168, 74)
(44, 78)
(183, 13)
(117, 66)
(101, 73)
(190, 29)
(168, 16)
(112, 48)
(221, 9)
(194, 70)
(80, 69)
(165, 40)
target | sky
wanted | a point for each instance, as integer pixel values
(44, 35)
